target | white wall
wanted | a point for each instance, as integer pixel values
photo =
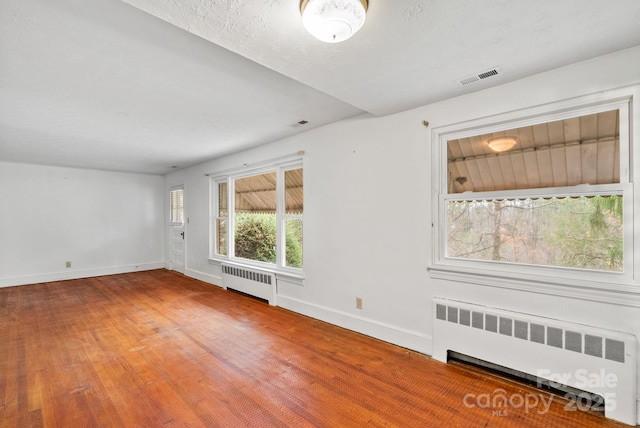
(103, 222)
(368, 213)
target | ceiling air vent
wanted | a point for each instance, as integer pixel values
(479, 76)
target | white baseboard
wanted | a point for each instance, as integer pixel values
(77, 274)
(203, 276)
(398, 336)
(402, 337)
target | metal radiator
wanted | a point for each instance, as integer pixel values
(254, 282)
(587, 358)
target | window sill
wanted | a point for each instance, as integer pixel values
(598, 291)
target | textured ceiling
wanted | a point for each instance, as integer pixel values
(413, 52)
(143, 85)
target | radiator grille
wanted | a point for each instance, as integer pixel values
(247, 274)
(255, 282)
(574, 341)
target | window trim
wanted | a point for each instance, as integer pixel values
(229, 177)
(521, 276)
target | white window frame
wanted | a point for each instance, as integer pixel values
(535, 277)
(229, 178)
(215, 188)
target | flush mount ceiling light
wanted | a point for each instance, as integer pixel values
(501, 144)
(333, 21)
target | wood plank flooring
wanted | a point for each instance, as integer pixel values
(155, 349)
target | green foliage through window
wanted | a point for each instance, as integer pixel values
(255, 238)
(577, 232)
(293, 243)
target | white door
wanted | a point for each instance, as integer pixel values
(177, 229)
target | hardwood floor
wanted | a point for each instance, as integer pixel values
(152, 349)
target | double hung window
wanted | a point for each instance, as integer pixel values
(543, 194)
(258, 216)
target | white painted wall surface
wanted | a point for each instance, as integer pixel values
(368, 212)
(103, 222)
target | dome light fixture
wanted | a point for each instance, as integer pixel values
(333, 21)
(501, 144)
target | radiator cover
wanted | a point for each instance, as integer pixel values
(579, 356)
(251, 281)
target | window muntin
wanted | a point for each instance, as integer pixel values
(176, 207)
(491, 206)
(258, 217)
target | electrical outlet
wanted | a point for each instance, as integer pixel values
(358, 302)
(68, 264)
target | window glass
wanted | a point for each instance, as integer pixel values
(255, 217)
(294, 208)
(294, 197)
(576, 232)
(544, 194)
(176, 210)
(569, 152)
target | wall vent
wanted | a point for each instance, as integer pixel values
(479, 76)
(589, 358)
